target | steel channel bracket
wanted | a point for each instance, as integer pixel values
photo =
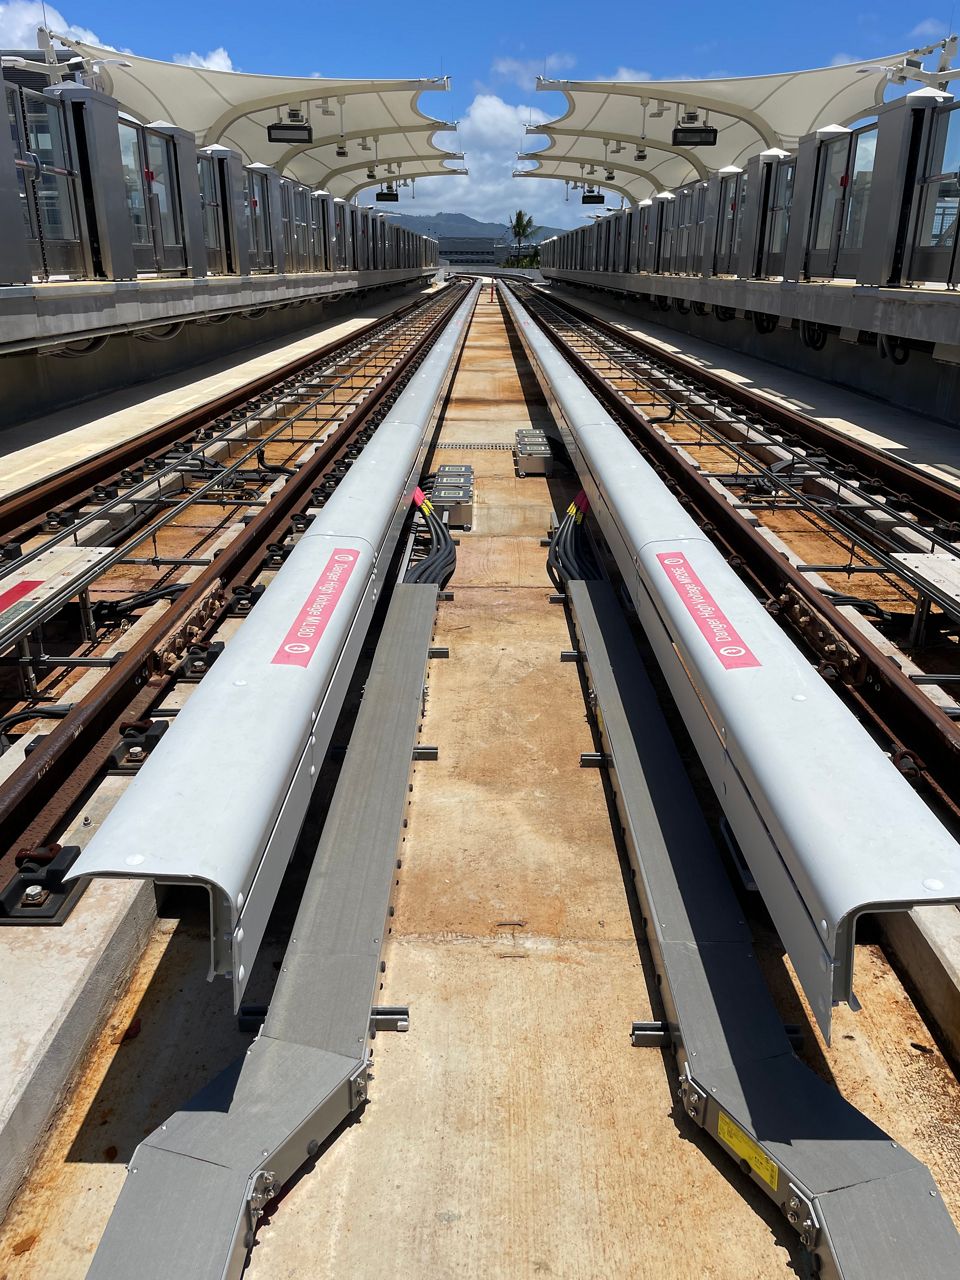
(831, 1172)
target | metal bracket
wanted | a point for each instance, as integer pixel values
(694, 1098)
(570, 655)
(801, 1216)
(261, 1189)
(389, 1017)
(594, 760)
(424, 752)
(650, 1035)
(358, 1084)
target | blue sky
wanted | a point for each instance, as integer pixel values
(493, 53)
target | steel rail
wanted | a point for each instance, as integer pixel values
(26, 621)
(925, 740)
(39, 794)
(229, 431)
(941, 497)
(823, 509)
(35, 501)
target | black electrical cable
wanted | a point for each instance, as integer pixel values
(55, 711)
(143, 598)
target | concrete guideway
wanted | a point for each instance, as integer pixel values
(514, 1131)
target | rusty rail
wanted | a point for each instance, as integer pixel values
(924, 741)
(37, 798)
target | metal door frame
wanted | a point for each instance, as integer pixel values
(772, 263)
(49, 256)
(926, 261)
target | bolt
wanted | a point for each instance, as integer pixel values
(33, 895)
(136, 753)
(794, 1202)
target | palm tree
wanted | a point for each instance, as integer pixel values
(522, 228)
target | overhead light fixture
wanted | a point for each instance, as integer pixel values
(609, 175)
(658, 111)
(325, 107)
(617, 148)
(388, 194)
(289, 131)
(371, 172)
(641, 153)
(700, 135)
(591, 196)
(364, 145)
(341, 149)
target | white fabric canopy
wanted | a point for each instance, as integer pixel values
(378, 121)
(607, 121)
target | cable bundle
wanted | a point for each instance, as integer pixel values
(570, 555)
(441, 560)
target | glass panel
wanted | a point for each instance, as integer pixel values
(286, 218)
(780, 211)
(740, 200)
(133, 183)
(941, 197)
(209, 200)
(45, 138)
(831, 192)
(858, 188)
(162, 185)
(728, 209)
(19, 150)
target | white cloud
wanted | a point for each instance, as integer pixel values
(523, 72)
(929, 29)
(628, 74)
(841, 59)
(216, 60)
(20, 18)
(491, 133)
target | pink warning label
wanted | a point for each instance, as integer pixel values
(706, 613)
(13, 594)
(300, 642)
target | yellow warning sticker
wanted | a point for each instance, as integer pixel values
(743, 1146)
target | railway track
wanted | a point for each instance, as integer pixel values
(510, 937)
(115, 573)
(856, 552)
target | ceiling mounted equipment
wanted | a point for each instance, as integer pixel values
(289, 131)
(697, 135)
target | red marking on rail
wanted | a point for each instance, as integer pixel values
(714, 625)
(13, 594)
(301, 641)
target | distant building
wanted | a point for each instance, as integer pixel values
(477, 251)
(468, 251)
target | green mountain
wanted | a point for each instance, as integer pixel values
(461, 224)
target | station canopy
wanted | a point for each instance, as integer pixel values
(377, 122)
(609, 125)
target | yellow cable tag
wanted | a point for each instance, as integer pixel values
(743, 1146)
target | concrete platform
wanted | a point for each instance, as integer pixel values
(38, 315)
(925, 315)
